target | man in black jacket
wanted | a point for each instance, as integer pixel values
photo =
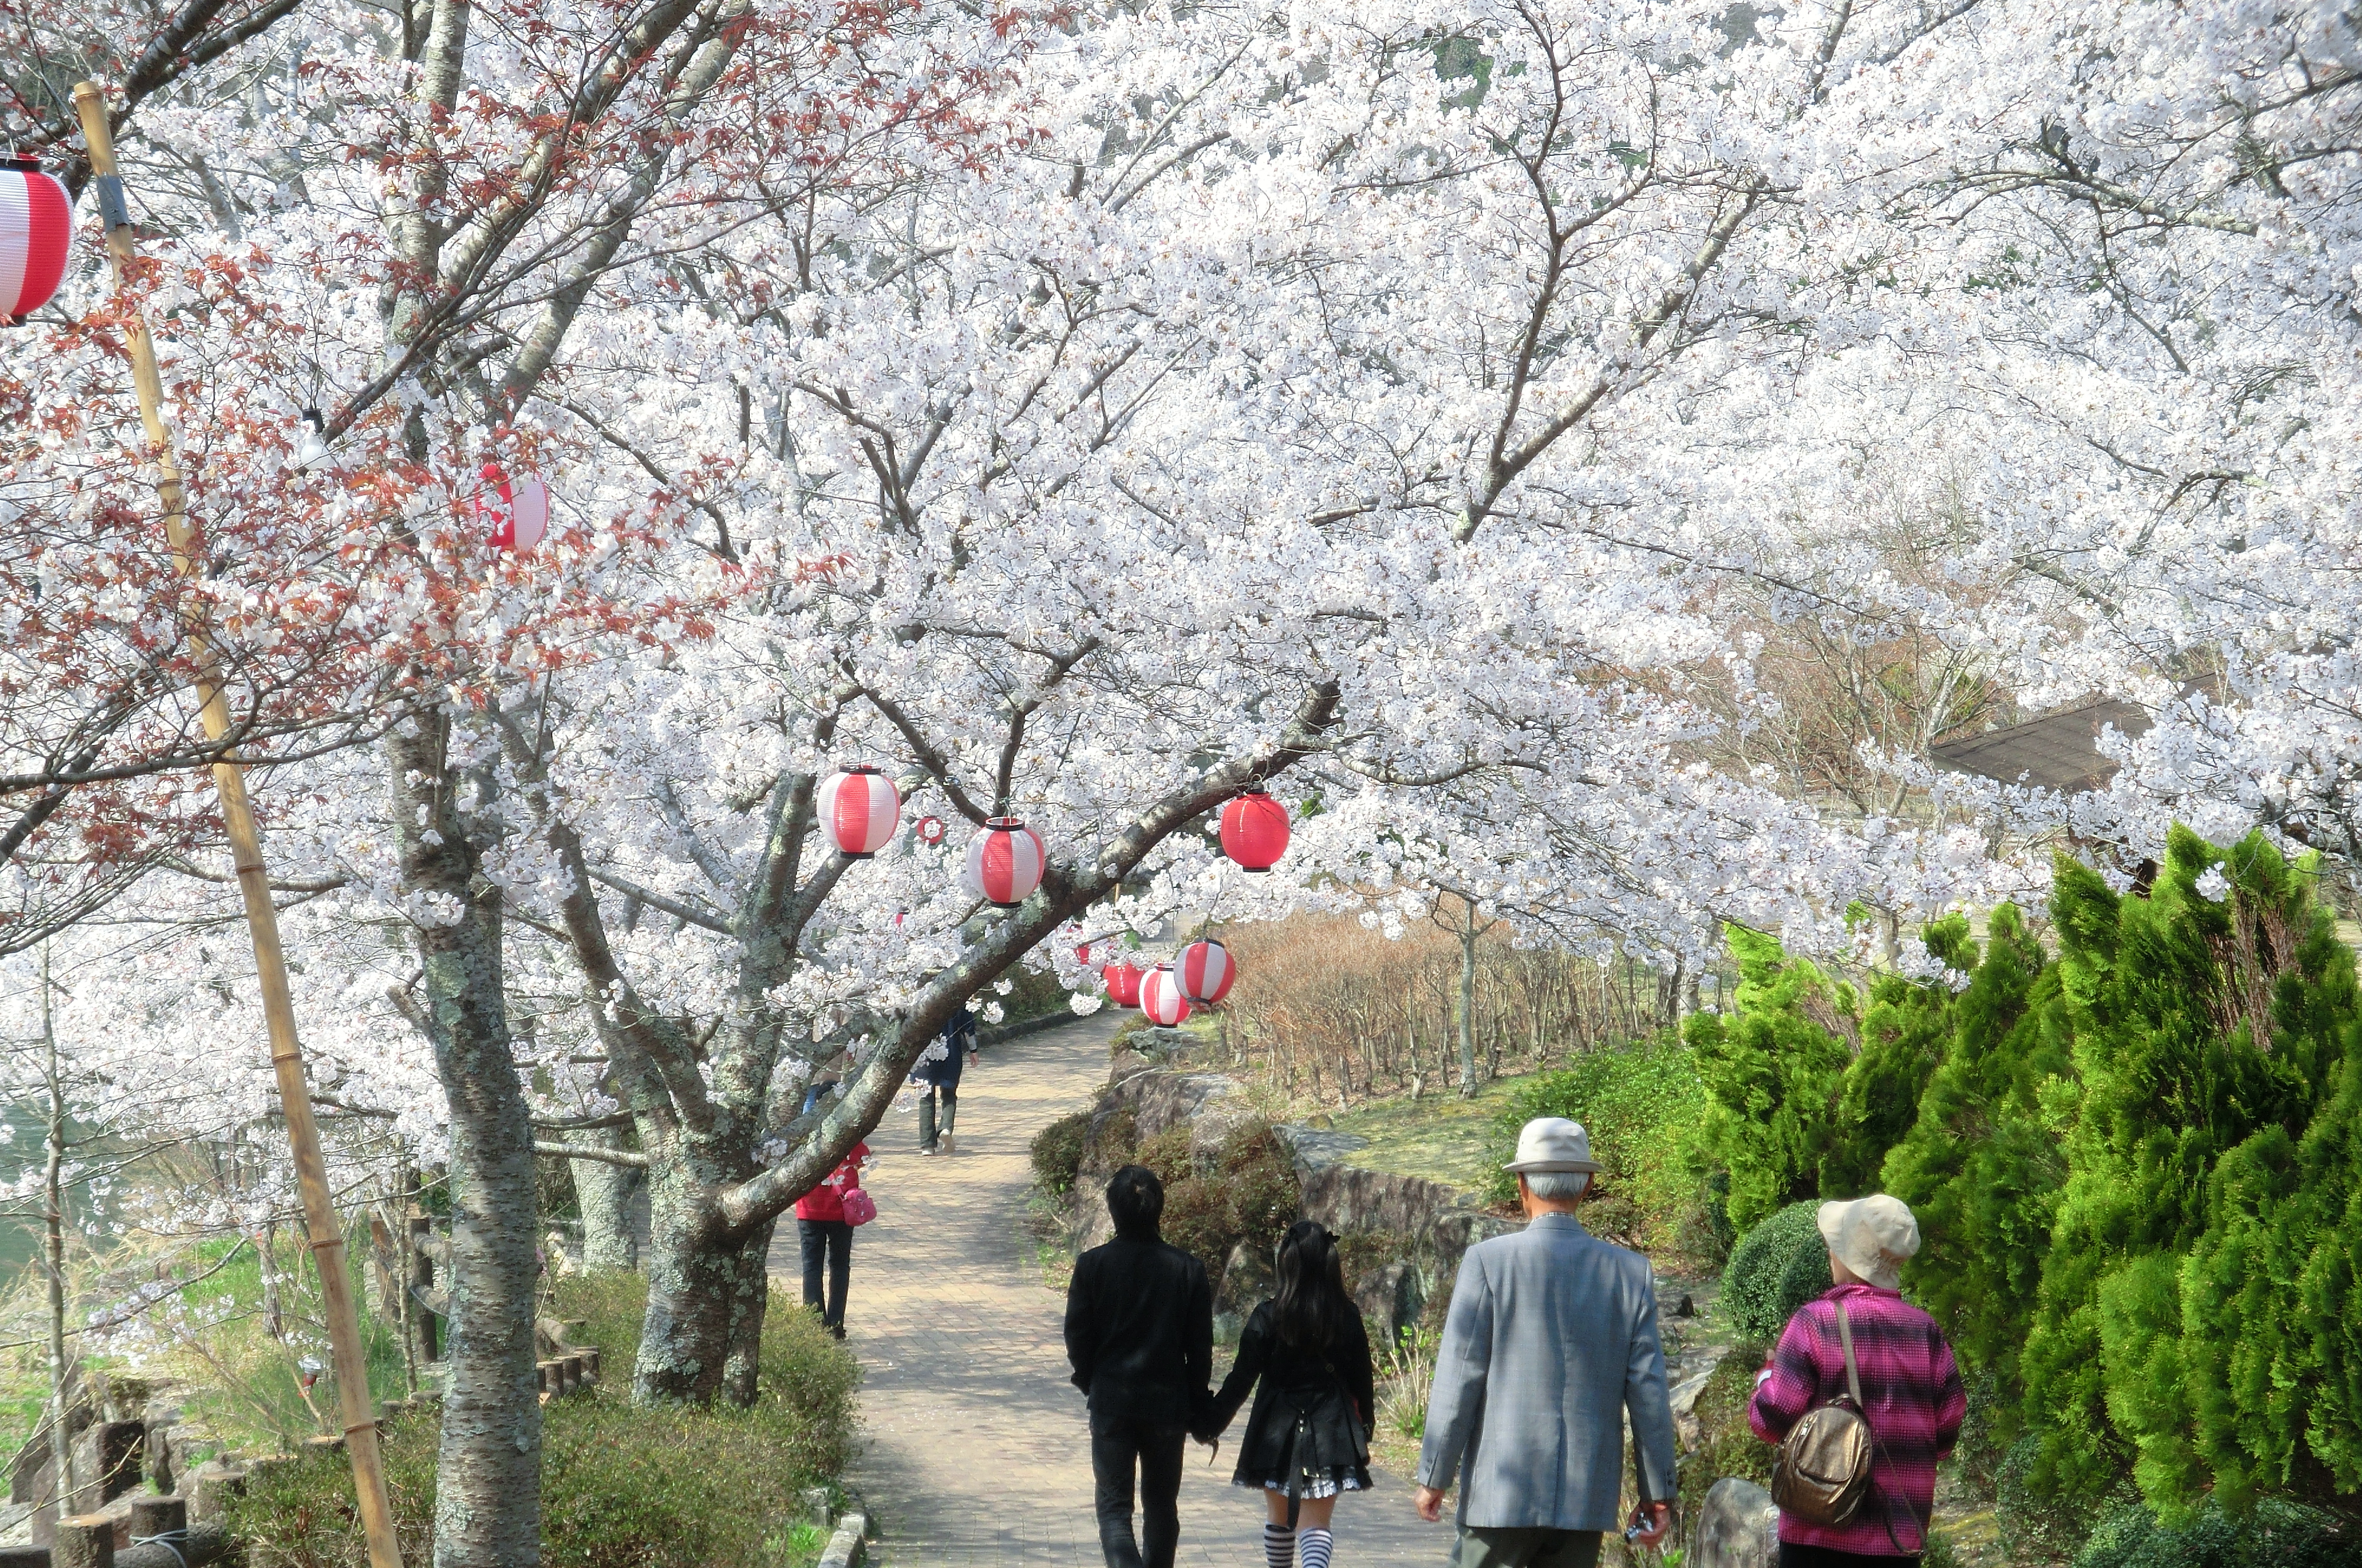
(1140, 1329)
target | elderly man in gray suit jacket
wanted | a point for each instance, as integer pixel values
(1552, 1338)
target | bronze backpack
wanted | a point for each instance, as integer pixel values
(1823, 1472)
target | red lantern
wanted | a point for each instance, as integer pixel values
(518, 512)
(1254, 829)
(929, 829)
(1205, 972)
(1122, 983)
(858, 811)
(1004, 862)
(35, 238)
(1161, 998)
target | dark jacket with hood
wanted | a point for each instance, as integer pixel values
(1140, 1330)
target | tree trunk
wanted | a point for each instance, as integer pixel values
(488, 1471)
(1468, 1002)
(53, 1253)
(707, 1290)
(605, 1192)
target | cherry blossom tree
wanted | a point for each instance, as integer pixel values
(1430, 413)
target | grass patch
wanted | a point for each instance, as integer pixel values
(621, 1487)
(1439, 1137)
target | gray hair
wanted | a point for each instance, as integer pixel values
(1558, 1186)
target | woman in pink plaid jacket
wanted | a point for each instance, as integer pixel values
(1910, 1388)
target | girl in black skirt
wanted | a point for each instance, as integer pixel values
(1304, 1354)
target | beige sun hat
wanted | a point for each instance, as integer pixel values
(1552, 1144)
(1871, 1236)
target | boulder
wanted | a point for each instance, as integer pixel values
(1737, 1527)
(1162, 1100)
(1317, 1148)
(1246, 1281)
(1688, 1371)
(1391, 1298)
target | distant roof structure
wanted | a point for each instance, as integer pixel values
(2058, 751)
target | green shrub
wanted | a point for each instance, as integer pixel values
(1259, 1175)
(1641, 1106)
(2038, 1524)
(1109, 1143)
(621, 1487)
(1058, 1153)
(1982, 1167)
(1774, 1071)
(2278, 1534)
(1249, 1192)
(1776, 1268)
(1167, 1155)
(1906, 1032)
(1033, 993)
(2172, 1336)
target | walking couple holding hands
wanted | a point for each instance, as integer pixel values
(1551, 1339)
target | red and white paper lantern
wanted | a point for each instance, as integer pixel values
(1161, 998)
(1004, 862)
(36, 236)
(1205, 972)
(518, 511)
(1123, 980)
(858, 811)
(929, 829)
(1254, 829)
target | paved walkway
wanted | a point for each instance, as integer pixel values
(976, 1451)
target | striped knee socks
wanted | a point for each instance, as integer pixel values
(1278, 1546)
(1316, 1545)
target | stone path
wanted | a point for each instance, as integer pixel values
(976, 1447)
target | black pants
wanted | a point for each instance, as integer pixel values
(829, 1241)
(927, 1128)
(1116, 1445)
(1794, 1556)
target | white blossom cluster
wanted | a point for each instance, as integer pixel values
(1396, 393)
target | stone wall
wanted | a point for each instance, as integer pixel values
(1424, 1226)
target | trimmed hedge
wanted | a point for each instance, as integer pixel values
(2276, 1534)
(1058, 1153)
(1776, 1268)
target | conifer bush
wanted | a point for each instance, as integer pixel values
(1774, 1071)
(2207, 1215)
(1982, 1167)
(1906, 1031)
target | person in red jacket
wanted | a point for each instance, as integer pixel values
(827, 1238)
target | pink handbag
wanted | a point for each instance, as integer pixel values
(859, 1207)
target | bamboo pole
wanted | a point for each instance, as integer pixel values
(327, 1237)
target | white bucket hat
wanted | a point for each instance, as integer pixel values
(1552, 1144)
(1871, 1236)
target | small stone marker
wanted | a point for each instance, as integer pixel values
(24, 1557)
(324, 1445)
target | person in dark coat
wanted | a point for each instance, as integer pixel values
(1139, 1332)
(938, 1076)
(1306, 1357)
